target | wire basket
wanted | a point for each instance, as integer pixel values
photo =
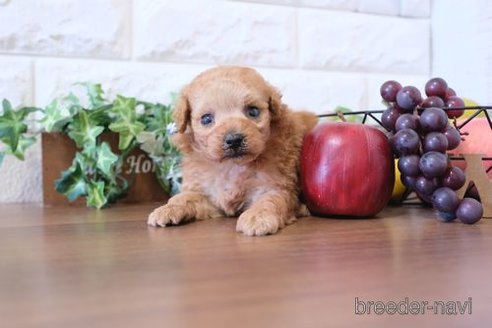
(373, 114)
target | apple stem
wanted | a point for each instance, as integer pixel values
(341, 117)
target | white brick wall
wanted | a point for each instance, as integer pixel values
(320, 53)
(463, 52)
(82, 28)
(362, 42)
(16, 80)
(215, 32)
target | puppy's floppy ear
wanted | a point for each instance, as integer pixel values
(182, 118)
(182, 111)
(275, 104)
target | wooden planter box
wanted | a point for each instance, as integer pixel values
(58, 152)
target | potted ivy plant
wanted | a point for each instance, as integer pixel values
(104, 133)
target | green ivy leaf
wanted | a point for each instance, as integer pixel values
(161, 118)
(95, 194)
(116, 190)
(24, 143)
(95, 94)
(87, 160)
(101, 115)
(12, 124)
(168, 172)
(124, 105)
(72, 102)
(125, 138)
(126, 123)
(106, 159)
(150, 143)
(72, 182)
(6, 105)
(84, 130)
(55, 117)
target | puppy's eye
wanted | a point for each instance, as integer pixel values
(253, 111)
(207, 119)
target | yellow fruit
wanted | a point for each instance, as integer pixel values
(468, 113)
(399, 188)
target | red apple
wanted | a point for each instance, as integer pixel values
(346, 169)
(478, 141)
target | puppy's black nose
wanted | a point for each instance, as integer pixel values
(233, 140)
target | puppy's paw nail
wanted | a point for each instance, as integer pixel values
(152, 220)
(158, 218)
(166, 215)
(253, 223)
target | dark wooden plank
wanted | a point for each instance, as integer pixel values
(73, 267)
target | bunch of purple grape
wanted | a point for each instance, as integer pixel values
(420, 136)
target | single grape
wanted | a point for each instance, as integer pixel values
(389, 90)
(429, 102)
(409, 165)
(432, 101)
(408, 98)
(453, 178)
(433, 119)
(406, 142)
(435, 141)
(454, 102)
(445, 199)
(453, 136)
(408, 181)
(425, 186)
(433, 164)
(389, 117)
(449, 93)
(426, 199)
(436, 87)
(469, 211)
(407, 121)
(446, 216)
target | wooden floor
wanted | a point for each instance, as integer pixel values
(73, 267)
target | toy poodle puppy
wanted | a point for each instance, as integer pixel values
(241, 148)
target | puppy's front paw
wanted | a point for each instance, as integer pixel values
(258, 223)
(167, 215)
